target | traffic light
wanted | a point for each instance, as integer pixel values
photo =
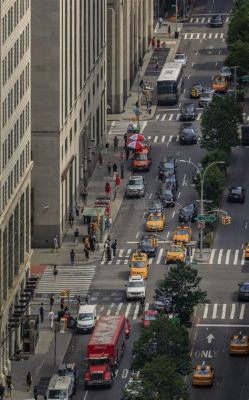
(226, 220)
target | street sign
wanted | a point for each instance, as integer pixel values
(201, 224)
(245, 78)
(207, 218)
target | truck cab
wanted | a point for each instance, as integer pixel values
(99, 371)
(141, 160)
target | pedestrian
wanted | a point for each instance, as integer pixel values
(160, 22)
(86, 251)
(153, 42)
(9, 384)
(56, 245)
(109, 167)
(78, 302)
(109, 253)
(114, 167)
(35, 391)
(51, 301)
(115, 142)
(125, 139)
(72, 257)
(100, 160)
(108, 190)
(87, 298)
(108, 240)
(106, 147)
(121, 156)
(92, 243)
(117, 182)
(114, 247)
(55, 271)
(28, 381)
(156, 65)
(2, 390)
(169, 30)
(51, 318)
(141, 84)
(62, 303)
(76, 236)
(77, 209)
(127, 153)
(41, 312)
(71, 219)
(158, 43)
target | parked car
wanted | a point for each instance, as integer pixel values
(188, 213)
(181, 57)
(216, 21)
(135, 187)
(187, 134)
(171, 179)
(167, 167)
(188, 112)
(167, 194)
(236, 194)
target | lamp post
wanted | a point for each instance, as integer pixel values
(202, 178)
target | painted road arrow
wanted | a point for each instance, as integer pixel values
(210, 338)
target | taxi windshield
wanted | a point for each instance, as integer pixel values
(182, 232)
(239, 340)
(137, 264)
(202, 371)
(141, 157)
(154, 218)
(175, 248)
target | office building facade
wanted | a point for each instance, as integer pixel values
(68, 107)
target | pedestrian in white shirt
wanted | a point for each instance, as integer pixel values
(51, 318)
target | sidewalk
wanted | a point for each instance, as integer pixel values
(41, 364)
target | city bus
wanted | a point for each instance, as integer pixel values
(170, 83)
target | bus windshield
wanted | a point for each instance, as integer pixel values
(166, 87)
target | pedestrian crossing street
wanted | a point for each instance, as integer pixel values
(204, 20)
(204, 36)
(217, 257)
(233, 311)
(77, 279)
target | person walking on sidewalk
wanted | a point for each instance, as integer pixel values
(109, 167)
(108, 253)
(114, 247)
(118, 181)
(76, 236)
(114, 167)
(87, 299)
(169, 30)
(107, 147)
(153, 42)
(77, 209)
(156, 65)
(108, 190)
(29, 381)
(56, 245)
(72, 257)
(51, 301)
(127, 153)
(92, 243)
(51, 318)
(160, 21)
(55, 271)
(141, 84)
(71, 219)
(62, 303)
(9, 384)
(41, 312)
(100, 160)
(2, 390)
(115, 142)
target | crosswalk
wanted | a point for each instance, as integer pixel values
(173, 117)
(77, 279)
(233, 311)
(217, 257)
(203, 20)
(205, 36)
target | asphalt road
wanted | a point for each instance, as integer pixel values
(217, 321)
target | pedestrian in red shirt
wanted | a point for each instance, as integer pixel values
(117, 181)
(108, 190)
(153, 42)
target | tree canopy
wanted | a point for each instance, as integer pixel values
(238, 26)
(239, 55)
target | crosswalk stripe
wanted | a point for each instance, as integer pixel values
(209, 19)
(120, 254)
(127, 310)
(203, 19)
(212, 256)
(197, 36)
(119, 308)
(215, 311)
(155, 139)
(227, 19)
(177, 138)
(216, 35)
(150, 260)
(163, 138)
(198, 117)
(210, 35)
(191, 20)
(110, 309)
(128, 253)
(192, 255)
(171, 117)
(220, 256)
(177, 117)
(236, 256)
(163, 117)
(136, 311)
(232, 311)
(197, 20)
(159, 256)
(227, 256)
(205, 311)
(223, 314)
(204, 36)
(242, 311)
(158, 116)
(242, 259)
(221, 35)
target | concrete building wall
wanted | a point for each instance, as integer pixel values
(70, 73)
(132, 22)
(15, 171)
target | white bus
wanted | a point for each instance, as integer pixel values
(170, 83)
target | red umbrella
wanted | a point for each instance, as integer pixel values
(137, 137)
(134, 145)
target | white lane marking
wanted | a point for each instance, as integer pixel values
(242, 311)
(242, 259)
(197, 36)
(192, 255)
(127, 310)
(128, 253)
(147, 305)
(197, 20)
(173, 214)
(171, 117)
(163, 117)
(177, 117)
(205, 311)
(191, 20)
(170, 138)
(168, 233)
(163, 139)
(222, 325)
(179, 194)
(216, 35)
(198, 117)
(150, 196)
(236, 256)
(246, 225)
(119, 308)
(144, 126)
(137, 235)
(228, 256)
(220, 256)
(110, 309)
(214, 315)
(227, 19)
(120, 254)
(221, 35)
(156, 138)
(150, 260)
(210, 35)
(149, 137)
(158, 116)
(177, 138)
(196, 53)
(232, 311)
(159, 256)
(126, 261)
(203, 20)
(212, 256)
(136, 311)
(118, 262)
(223, 314)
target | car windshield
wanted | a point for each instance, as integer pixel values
(244, 288)
(206, 95)
(57, 394)
(187, 131)
(188, 209)
(85, 317)
(225, 69)
(141, 157)
(135, 284)
(238, 340)
(165, 192)
(236, 191)
(134, 182)
(175, 249)
(182, 232)
(180, 57)
(137, 264)
(154, 218)
(149, 317)
(202, 371)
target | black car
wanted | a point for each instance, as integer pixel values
(236, 194)
(171, 179)
(147, 244)
(243, 291)
(187, 134)
(167, 167)
(188, 213)
(167, 195)
(188, 112)
(216, 21)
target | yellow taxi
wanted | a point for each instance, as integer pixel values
(220, 84)
(155, 222)
(246, 250)
(182, 234)
(203, 375)
(175, 252)
(139, 264)
(239, 344)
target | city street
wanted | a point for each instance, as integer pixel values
(214, 323)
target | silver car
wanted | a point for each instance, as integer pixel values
(135, 187)
(206, 97)
(226, 72)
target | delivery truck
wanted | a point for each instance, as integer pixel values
(105, 350)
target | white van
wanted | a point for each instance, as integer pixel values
(86, 318)
(60, 387)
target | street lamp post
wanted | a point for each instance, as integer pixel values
(202, 178)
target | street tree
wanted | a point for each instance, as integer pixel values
(182, 284)
(238, 55)
(162, 337)
(216, 155)
(220, 124)
(213, 184)
(162, 381)
(238, 26)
